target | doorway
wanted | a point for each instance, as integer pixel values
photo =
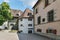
(30, 31)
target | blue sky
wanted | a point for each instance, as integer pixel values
(20, 4)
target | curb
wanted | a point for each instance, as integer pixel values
(52, 37)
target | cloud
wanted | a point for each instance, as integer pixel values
(29, 2)
(7, 1)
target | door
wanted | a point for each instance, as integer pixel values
(30, 31)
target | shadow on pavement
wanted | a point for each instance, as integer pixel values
(22, 36)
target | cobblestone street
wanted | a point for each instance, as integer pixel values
(31, 37)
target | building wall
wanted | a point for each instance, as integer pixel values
(12, 23)
(25, 26)
(4, 25)
(42, 11)
(52, 25)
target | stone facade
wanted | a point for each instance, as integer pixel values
(43, 11)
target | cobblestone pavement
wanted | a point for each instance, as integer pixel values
(8, 36)
(31, 37)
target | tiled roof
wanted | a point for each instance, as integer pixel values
(15, 12)
(25, 13)
(22, 14)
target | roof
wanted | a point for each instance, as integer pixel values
(36, 3)
(25, 13)
(15, 12)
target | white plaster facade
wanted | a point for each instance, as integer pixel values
(5, 24)
(25, 26)
(24, 22)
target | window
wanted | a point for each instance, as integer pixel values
(29, 19)
(39, 20)
(43, 20)
(17, 14)
(29, 31)
(51, 1)
(39, 30)
(51, 16)
(29, 24)
(21, 25)
(11, 24)
(21, 19)
(36, 11)
(29, 14)
(46, 3)
(54, 0)
(54, 31)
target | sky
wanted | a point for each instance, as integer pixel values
(20, 4)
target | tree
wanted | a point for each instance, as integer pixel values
(5, 13)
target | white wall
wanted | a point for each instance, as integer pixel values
(4, 25)
(10, 26)
(25, 26)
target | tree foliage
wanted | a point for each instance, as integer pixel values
(5, 13)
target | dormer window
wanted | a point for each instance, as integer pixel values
(51, 16)
(17, 14)
(29, 14)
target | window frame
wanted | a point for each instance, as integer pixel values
(21, 19)
(29, 19)
(50, 16)
(46, 3)
(17, 14)
(29, 14)
(36, 10)
(39, 30)
(29, 24)
(43, 20)
(53, 31)
(21, 25)
(39, 20)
